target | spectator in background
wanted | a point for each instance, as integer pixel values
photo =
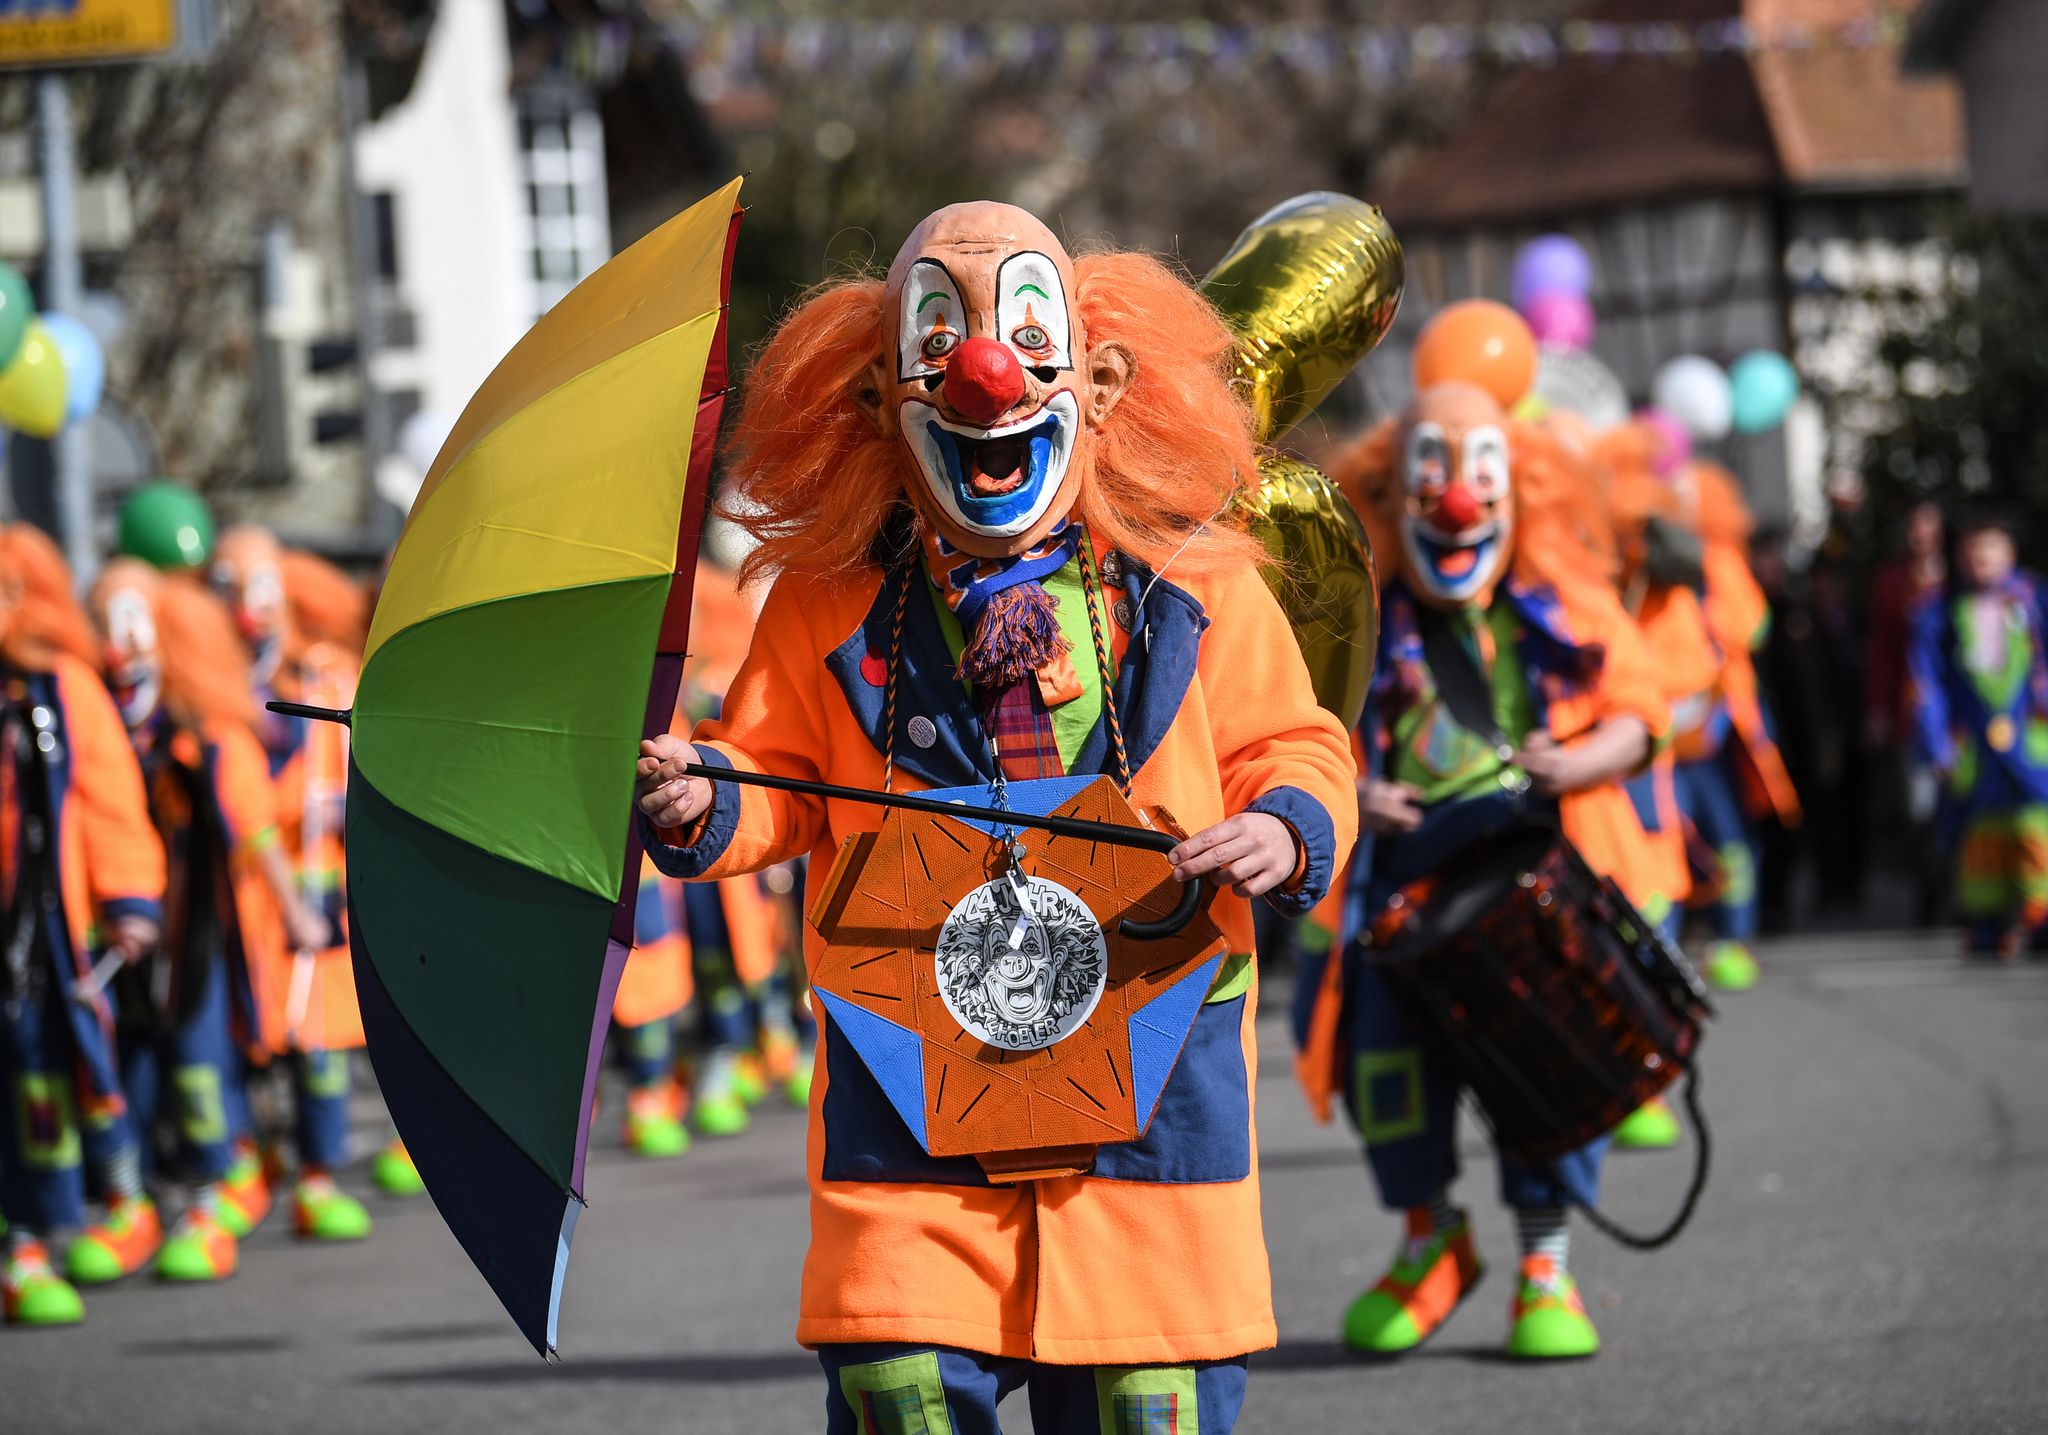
(1909, 793)
(1978, 667)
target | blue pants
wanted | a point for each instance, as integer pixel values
(321, 1081)
(906, 1389)
(647, 1053)
(42, 1178)
(1403, 1097)
(727, 1013)
(1706, 794)
(206, 1075)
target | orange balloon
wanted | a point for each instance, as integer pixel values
(1478, 342)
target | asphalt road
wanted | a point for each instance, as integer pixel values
(1870, 1258)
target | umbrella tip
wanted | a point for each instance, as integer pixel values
(344, 716)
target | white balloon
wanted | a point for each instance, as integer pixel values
(1695, 391)
(1573, 380)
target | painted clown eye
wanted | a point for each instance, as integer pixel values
(939, 343)
(1031, 336)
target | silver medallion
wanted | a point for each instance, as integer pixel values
(1021, 962)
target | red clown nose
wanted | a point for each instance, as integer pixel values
(1457, 510)
(983, 381)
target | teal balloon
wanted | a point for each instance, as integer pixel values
(85, 364)
(17, 308)
(1764, 385)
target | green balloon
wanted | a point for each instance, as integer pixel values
(17, 307)
(166, 525)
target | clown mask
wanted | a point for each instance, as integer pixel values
(986, 379)
(1457, 521)
(123, 610)
(248, 576)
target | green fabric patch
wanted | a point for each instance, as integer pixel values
(1233, 978)
(1380, 1122)
(903, 1396)
(201, 1117)
(47, 1119)
(1073, 721)
(1147, 1400)
(325, 1074)
(1738, 874)
(1431, 750)
(493, 966)
(514, 725)
(2037, 742)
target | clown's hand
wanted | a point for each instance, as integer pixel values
(667, 796)
(1389, 807)
(1251, 853)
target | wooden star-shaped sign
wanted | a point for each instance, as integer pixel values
(1024, 1113)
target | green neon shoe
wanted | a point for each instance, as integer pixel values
(654, 1121)
(245, 1189)
(798, 1087)
(750, 1078)
(201, 1249)
(33, 1294)
(1650, 1127)
(1729, 967)
(119, 1246)
(322, 1211)
(394, 1172)
(719, 1115)
(1432, 1274)
(1549, 1320)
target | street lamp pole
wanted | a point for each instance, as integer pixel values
(64, 293)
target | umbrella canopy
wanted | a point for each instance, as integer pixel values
(529, 634)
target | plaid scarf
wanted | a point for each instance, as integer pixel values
(1012, 633)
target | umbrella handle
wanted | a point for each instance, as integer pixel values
(344, 716)
(1114, 833)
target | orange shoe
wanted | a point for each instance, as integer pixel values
(246, 1190)
(201, 1248)
(778, 1055)
(1548, 1320)
(119, 1246)
(654, 1121)
(1433, 1273)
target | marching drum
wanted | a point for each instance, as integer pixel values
(1556, 1002)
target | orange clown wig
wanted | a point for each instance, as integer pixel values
(322, 605)
(44, 619)
(816, 485)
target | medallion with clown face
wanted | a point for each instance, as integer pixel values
(1021, 985)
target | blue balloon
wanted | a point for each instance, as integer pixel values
(1765, 385)
(85, 364)
(1550, 264)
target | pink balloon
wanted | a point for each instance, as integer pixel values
(1674, 446)
(1560, 320)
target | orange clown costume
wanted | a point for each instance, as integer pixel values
(1509, 683)
(65, 766)
(715, 947)
(182, 686)
(1730, 773)
(990, 487)
(303, 622)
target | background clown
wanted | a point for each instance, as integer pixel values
(994, 487)
(1508, 678)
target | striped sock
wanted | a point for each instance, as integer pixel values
(124, 1173)
(1545, 1231)
(207, 1198)
(1443, 1216)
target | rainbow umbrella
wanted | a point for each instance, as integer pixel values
(529, 634)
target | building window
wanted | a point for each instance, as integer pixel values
(562, 163)
(384, 235)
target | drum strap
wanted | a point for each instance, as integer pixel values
(1702, 1150)
(1461, 685)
